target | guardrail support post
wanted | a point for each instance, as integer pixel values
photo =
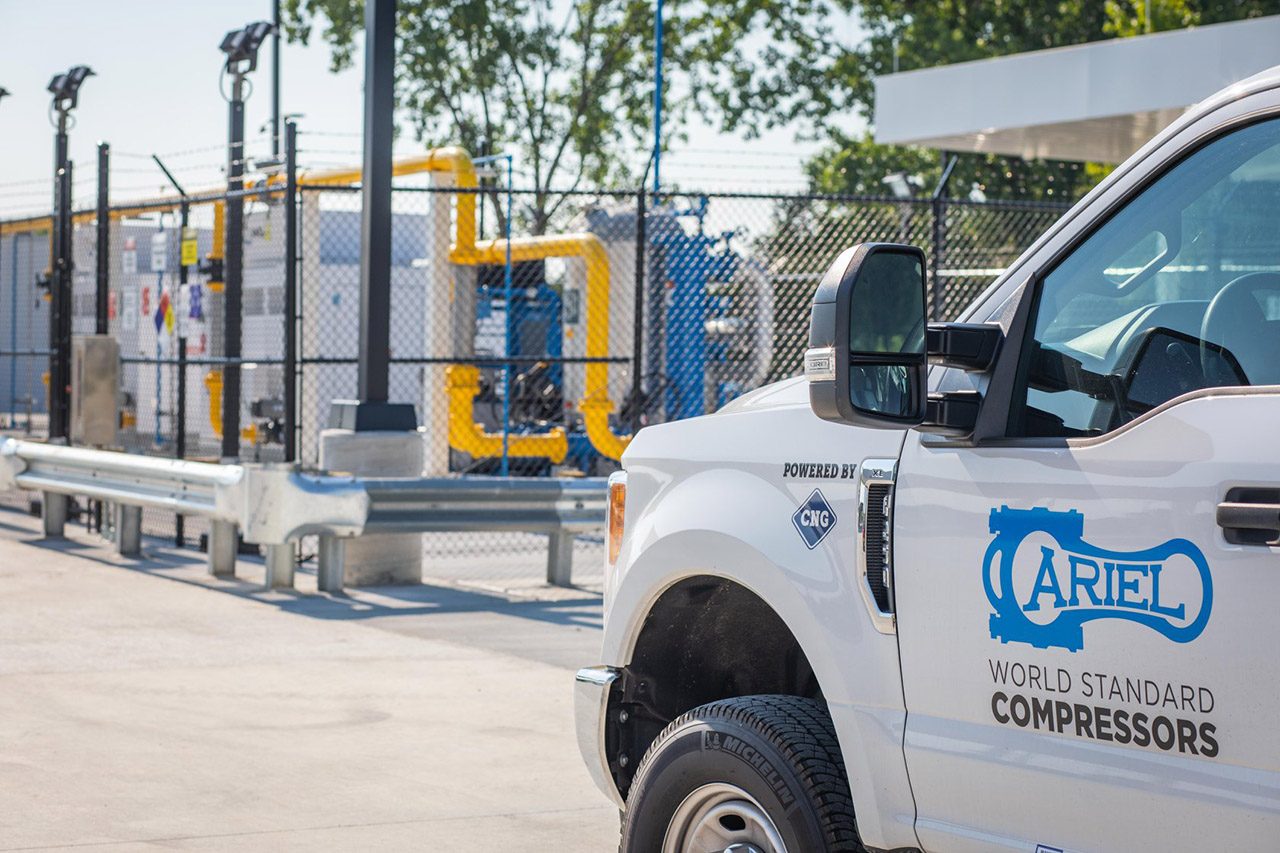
(223, 543)
(560, 559)
(280, 563)
(53, 511)
(330, 564)
(128, 530)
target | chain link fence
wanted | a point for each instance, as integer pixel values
(533, 332)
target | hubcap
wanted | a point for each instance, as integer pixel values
(721, 818)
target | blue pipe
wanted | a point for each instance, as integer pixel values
(506, 370)
(657, 100)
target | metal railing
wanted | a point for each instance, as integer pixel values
(275, 504)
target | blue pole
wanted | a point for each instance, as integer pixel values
(506, 368)
(657, 100)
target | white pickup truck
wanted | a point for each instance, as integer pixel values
(1011, 583)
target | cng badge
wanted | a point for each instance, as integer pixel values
(814, 519)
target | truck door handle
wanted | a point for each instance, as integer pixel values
(1249, 523)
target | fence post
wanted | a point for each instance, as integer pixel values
(60, 298)
(102, 234)
(937, 204)
(233, 274)
(935, 287)
(290, 291)
(103, 280)
(180, 436)
(180, 430)
(637, 342)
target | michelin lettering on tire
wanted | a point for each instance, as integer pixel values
(1044, 582)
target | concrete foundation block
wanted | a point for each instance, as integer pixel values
(391, 558)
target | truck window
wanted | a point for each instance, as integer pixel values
(1178, 291)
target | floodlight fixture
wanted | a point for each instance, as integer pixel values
(3, 92)
(65, 88)
(241, 46)
(902, 185)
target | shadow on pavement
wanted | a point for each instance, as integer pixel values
(569, 606)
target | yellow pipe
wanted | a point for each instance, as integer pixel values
(213, 384)
(438, 160)
(464, 433)
(468, 436)
(216, 249)
(595, 404)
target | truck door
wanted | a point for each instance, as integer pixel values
(1089, 603)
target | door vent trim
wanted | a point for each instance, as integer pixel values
(875, 540)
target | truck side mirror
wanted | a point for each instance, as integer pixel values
(867, 361)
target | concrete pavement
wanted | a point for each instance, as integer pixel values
(145, 706)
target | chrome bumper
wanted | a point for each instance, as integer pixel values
(590, 704)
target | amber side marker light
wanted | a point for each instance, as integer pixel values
(617, 513)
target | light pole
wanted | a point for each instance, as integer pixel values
(373, 411)
(275, 79)
(65, 89)
(241, 48)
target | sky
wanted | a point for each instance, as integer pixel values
(156, 90)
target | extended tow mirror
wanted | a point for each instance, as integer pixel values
(867, 360)
(870, 347)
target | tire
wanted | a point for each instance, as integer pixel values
(759, 770)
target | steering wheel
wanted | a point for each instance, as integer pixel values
(1236, 318)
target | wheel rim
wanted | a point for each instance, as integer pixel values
(721, 818)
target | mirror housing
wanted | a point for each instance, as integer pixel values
(867, 360)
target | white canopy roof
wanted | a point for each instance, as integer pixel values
(1098, 101)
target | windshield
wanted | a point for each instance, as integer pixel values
(1209, 225)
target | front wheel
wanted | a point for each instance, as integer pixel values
(755, 774)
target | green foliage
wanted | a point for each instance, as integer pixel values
(907, 34)
(568, 87)
(858, 165)
(1130, 17)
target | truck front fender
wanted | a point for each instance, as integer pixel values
(736, 525)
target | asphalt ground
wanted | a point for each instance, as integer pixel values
(147, 706)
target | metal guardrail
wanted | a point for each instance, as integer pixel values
(275, 504)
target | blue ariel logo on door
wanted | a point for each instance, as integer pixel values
(1045, 582)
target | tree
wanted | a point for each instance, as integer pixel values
(901, 35)
(1135, 17)
(568, 86)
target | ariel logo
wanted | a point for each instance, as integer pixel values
(1044, 582)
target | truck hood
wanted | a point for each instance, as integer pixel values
(787, 392)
